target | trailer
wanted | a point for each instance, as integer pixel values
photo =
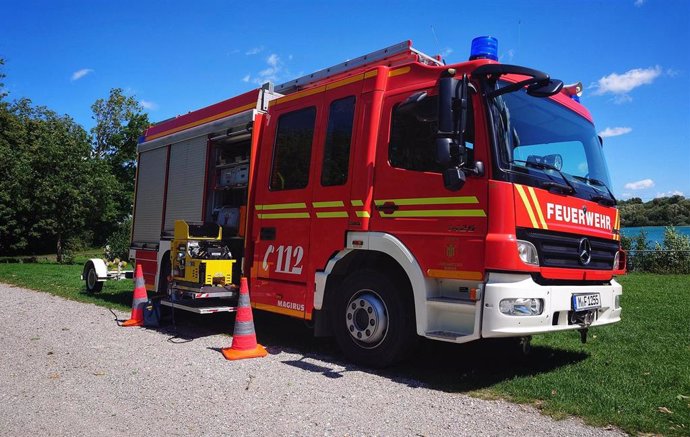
(387, 198)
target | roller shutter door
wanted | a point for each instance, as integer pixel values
(186, 181)
(148, 211)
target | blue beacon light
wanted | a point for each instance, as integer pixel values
(484, 47)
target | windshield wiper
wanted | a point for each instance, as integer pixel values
(565, 189)
(606, 201)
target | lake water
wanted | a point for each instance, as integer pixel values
(655, 234)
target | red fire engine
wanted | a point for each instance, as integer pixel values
(386, 198)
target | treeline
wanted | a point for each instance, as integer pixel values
(61, 187)
(664, 211)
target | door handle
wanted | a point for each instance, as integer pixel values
(268, 234)
(387, 208)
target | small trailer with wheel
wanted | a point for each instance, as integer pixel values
(96, 272)
(387, 198)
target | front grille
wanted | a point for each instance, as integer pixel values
(558, 249)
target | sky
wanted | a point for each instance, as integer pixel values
(632, 56)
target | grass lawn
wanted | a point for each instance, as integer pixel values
(634, 375)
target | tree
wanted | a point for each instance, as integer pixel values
(64, 194)
(13, 173)
(119, 123)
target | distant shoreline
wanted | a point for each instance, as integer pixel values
(655, 234)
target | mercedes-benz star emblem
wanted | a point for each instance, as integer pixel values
(585, 251)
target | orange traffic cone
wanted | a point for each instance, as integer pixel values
(138, 300)
(244, 343)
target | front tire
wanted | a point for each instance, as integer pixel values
(374, 321)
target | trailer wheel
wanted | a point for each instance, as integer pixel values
(91, 279)
(374, 319)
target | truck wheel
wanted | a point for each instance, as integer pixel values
(91, 279)
(374, 321)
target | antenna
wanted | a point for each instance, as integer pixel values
(438, 44)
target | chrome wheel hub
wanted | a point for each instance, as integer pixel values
(366, 318)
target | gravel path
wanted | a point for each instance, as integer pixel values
(66, 368)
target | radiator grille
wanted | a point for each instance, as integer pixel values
(558, 249)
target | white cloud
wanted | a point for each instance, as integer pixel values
(254, 51)
(670, 193)
(621, 84)
(639, 185)
(81, 73)
(639, 3)
(147, 104)
(614, 131)
(274, 72)
(626, 195)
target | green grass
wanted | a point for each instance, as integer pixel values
(634, 375)
(63, 280)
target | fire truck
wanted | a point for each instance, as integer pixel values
(384, 199)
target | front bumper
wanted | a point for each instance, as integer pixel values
(557, 305)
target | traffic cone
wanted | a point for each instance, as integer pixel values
(138, 300)
(244, 343)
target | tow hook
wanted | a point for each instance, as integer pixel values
(583, 335)
(526, 344)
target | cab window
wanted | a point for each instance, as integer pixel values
(292, 150)
(336, 153)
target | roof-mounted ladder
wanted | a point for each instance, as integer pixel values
(377, 57)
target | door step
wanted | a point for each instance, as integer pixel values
(447, 335)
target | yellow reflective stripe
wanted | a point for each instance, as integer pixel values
(454, 274)
(356, 203)
(202, 121)
(298, 95)
(275, 206)
(431, 201)
(399, 72)
(521, 192)
(438, 213)
(344, 82)
(538, 206)
(363, 214)
(372, 73)
(333, 204)
(285, 215)
(332, 214)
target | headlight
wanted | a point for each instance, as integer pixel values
(616, 260)
(527, 252)
(521, 306)
(617, 301)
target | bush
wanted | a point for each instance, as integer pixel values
(673, 256)
(117, 245)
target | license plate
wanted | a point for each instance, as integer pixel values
(583, 302)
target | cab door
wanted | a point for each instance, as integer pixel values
(444, 229)
(280, 230)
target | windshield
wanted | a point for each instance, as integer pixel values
(543, 144)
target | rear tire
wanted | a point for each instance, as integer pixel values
(91, 279)
(374, 320)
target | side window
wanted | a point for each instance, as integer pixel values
(292, 150)
(336, 154)
(413, 136)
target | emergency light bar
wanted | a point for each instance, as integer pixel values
(484, 47)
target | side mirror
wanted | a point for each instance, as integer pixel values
(547, 89)
(411, 102)
(453, 178)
